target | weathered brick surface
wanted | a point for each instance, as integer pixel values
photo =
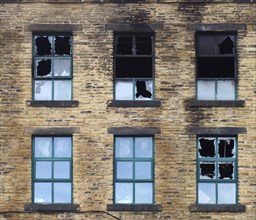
(175, 162)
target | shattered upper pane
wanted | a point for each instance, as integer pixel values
(143, 45)
(144, 89)
(226, 170)
(62, 67)
(43, 68)
(207, 170)
(226, 46)
(43, 45)
(206, 147)
(226, 147)
(124, 45)
(62, 45)
(43, 90)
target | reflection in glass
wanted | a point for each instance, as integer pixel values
(226, 193)
(43, 90)
(43, 147)
(143, 170)
(226, 90)
(144, 147)
(62, 192)
(124, 170)
(123, 193)
(43, 170)
(124, 90)
(123, 147)
(62, 170)
(206, 193)
(61, 67)
(143, 193)
(62, 90)
(205, 90)
(42, 192)
(62, 147)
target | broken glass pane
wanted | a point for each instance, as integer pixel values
(144, 89)
(205, 90)
(206, 193)
(143, 193)
(43, 68)
(62, 45)
(123, 147)
(62, 90)
(226, 193)
(226, 147)
(62, 192)
(62, 147)
(43, 90)
(143, 45)
(144, 147)
(124, 45)
(124, 193)
(124, 170)
(207, 170)
(61, 170)
(43, 170)
(43, 45)
(124, 90)
(43, 147)
(206, 45)
(62, 67)
(226, 90)
(206, 147)
(226, 170)
(43, 193)
(226, 46)
(143, 170)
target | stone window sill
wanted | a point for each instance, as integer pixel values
(134, 103)
(216, 103)
(36, 207)
(33, 103)
(217, 208)
(134, 208)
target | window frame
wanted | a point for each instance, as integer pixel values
(216, 160)
(52, 57)
(133, 159)
(52, 159)
(216, 79)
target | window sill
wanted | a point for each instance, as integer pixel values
(32, 103)
(134, 103)
(134, 208)
(216, 103)
(36, 207)
(217, 208)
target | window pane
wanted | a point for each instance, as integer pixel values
(62, 170)
(124, 147)
(62, 67)
(62, 147)
(43, 90)
(123, 90)
(227, 193)
(62, 192)
(226, 90)
(43, 170)
(123, 193)
(43, 68)
(143, 45)
(124, 170)
(144, 89)
(206, 147)
(124, 45)
(62, 90)
(205, 90)
(43, 45)
(43, 193)
(226, 170)
(43, 147)
(144, 147)
(62, 45)
(226, 147)
(207, 170)
(206, 45)
(206, 193)
(143, 193)
(143, 170)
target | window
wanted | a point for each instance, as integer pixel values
(52, 169)
(133, 67)
(134, 170)
(52, 67)
(217, 170)
(216, 66)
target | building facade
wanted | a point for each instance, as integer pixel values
(128, 109)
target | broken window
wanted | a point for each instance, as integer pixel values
(52, 71)
(133, 67)
(133, 172)
(216, 66)
(217, 168)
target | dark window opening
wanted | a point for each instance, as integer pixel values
(208, 169)
(44, 67)
(226, 46)
(226, 170)
(62, 45)
(124, 45)
(142, 90)
(143, 45)
(225, 148)
(43, 46)
(207, 148)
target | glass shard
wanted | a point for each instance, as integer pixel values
(62, 45)
(43, 46)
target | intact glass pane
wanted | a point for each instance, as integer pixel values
(42, 192)
(143, 170)
(206, 193)
(124, 90)
(226, 170)
(205, 90)
(62, 170)
(226, 147)
(123, 193)
(62, 147)
(226, 193)
(62, 192)
(62, 67)
(42, 90)
(43, 147)
(62, 90)
(144, 147)
(43, 170)
(226, 90)
(143, 193)
(124, 170)
(144, 90)
(123, 147)
(206, 147)
(207, 170)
